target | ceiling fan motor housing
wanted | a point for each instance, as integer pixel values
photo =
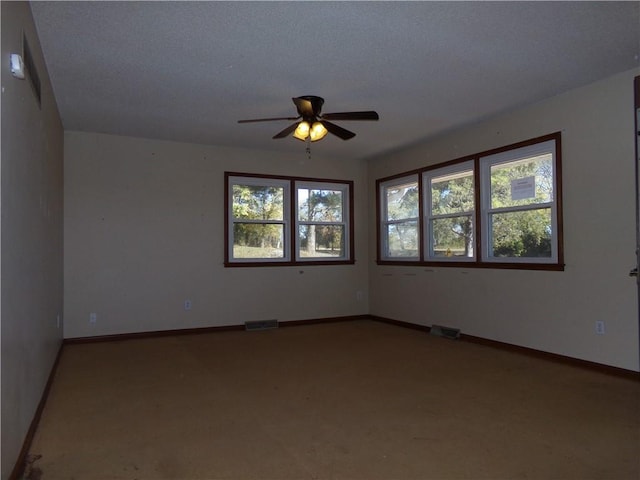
(311, 110)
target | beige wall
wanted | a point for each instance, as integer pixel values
(550, 311)
(32, 160)
(144, 224)
(144, 232)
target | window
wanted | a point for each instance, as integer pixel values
(263, 228)
(450, 212)
(322, 221)
(518, 204)
(400, 218)
(260, 230)
(500, 208)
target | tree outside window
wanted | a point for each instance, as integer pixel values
(258, 229)
(451, 207)
(261, 227)
(320, 221)
(400, 222)
(519, 203)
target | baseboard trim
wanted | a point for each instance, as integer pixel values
(315, 321)
(200, 330)
(554, 357)
(117, 337)
(400, 323)
(19, 467)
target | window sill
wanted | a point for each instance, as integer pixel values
(306, 263)
(557, 267)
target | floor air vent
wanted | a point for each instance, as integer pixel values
(261, 325)
(447, 332)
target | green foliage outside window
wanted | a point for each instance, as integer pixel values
(452, 234)
(524, 233)
(261, 239)
(402, 201)
(317, 209)
(403, 239)
(402, 204)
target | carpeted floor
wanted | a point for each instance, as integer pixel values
(349, 400)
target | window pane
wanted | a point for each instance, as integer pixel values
(452, 237)
(319, 205)
(402, 239)
(258, 202)
(452, 193)
(258, 240)
(522, 182)
(402, 201)
(321, 241)
(522, 234)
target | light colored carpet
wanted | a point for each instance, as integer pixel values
(350, 400)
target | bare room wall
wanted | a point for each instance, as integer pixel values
(31, 308)
(549, 311)
(144, 224)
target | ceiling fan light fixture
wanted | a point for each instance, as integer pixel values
(315, 132)
(318, 132)
(302, 131)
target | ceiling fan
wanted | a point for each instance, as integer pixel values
(315, 125)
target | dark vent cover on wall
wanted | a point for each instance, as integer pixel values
(30, 67)
(447, 332)
(261, 324)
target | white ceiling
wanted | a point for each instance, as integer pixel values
(187, 71)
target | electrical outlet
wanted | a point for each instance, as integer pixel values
(93, 317)
(187, 305)
(58, 321)
(359, 295)
(600, 327)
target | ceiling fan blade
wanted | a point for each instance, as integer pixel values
(287, 131)
(267, 119)
(337, 131)
(304, 106)
(369, 115)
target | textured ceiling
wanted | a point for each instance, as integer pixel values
(187, 71)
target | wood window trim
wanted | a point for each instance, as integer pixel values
(228, 262)
(478, 262)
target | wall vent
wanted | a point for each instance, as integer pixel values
(261, 325)
(447, 332)
(32, 73)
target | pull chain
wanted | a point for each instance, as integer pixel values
(308, 149)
